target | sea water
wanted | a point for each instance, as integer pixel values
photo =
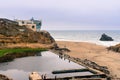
(91, 36)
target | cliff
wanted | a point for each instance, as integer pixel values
(115, 48)
(12, 33)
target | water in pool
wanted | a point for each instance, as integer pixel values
(45, 63)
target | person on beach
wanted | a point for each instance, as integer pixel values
(44, 77)
(55, 77)
(69, 61)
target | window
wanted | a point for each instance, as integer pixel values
(39, 24)
(33, 26)
(22, 22)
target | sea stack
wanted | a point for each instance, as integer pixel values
(105, 37)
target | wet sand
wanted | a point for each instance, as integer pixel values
(96, 53)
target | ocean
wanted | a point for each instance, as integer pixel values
(91, 36)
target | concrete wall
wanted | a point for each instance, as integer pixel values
(29, 24)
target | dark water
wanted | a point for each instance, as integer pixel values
(20, 68)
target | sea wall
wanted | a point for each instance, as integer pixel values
(84, 62)
(88, 63)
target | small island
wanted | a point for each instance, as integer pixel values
(105, 37)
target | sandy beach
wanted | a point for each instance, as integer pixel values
(96, 53)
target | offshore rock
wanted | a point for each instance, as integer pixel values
(105, 37)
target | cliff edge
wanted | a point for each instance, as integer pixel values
(12, 33)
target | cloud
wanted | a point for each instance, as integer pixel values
(65, 13)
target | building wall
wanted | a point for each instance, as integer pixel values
(29, 24)
(38, 24)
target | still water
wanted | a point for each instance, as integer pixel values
(45, 63)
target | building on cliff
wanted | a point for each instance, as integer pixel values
(32, 24)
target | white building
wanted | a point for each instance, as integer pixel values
(32, 24)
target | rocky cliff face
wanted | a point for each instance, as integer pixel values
(12, 33)
(115, 48)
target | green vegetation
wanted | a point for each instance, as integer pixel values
(20, 50)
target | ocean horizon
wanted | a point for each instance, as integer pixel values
(91, 36)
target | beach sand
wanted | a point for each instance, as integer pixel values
(96, 53)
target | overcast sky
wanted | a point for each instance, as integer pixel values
(66, 14)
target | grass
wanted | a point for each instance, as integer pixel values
(20, 50)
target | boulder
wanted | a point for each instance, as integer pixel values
(105, 37)
(115, 48)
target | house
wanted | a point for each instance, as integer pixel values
(32, 24)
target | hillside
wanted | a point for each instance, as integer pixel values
(12, 33)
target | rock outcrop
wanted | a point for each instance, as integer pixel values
(105, 37)
(12, 33)
(3, 77)
(115, 48)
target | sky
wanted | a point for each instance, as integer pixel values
(65, 14)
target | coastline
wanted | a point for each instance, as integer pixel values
(91, 36)
(93, 52)
(101, 43)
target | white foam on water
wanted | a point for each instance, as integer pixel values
(87, 36)
(104, 43)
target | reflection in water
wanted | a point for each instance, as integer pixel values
(44, 63)
(16, 74)
(39, 54)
